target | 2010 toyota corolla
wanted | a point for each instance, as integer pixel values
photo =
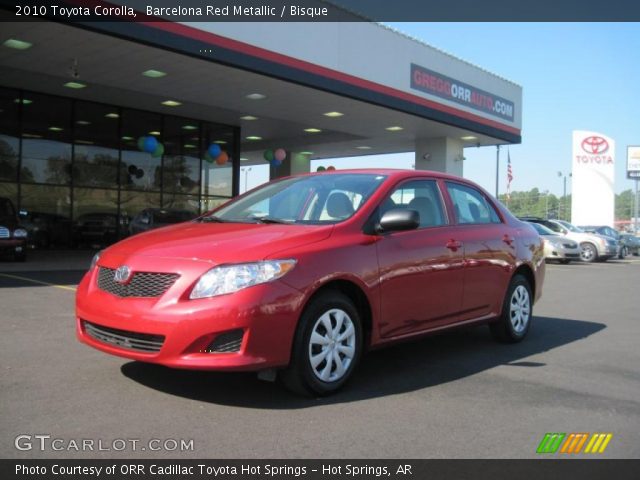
(303, 274)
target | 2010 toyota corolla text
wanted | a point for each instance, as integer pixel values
(303, 274)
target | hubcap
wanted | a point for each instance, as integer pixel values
(332, 345)
(587, 252)
(520, 309)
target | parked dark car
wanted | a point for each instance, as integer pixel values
(151, 218)
(631, 243)
(13, 238)
(93, 229)
(45, 229)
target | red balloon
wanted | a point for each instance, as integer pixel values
(331, 169)
(222, 158)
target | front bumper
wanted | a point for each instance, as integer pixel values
(265, 314)
(13, 245)
(560, 252)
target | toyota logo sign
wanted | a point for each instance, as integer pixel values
(595, 145)
(122, 274)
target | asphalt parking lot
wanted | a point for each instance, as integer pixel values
(457, 395)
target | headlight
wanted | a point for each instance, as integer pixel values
(231, 278)
(19, 233)
(94, 260)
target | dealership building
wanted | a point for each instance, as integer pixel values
(76, 99)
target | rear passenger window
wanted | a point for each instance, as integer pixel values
(423, 196)
(471, 206)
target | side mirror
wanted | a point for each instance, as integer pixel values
(398, 219)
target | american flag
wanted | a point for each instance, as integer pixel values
(509, 174)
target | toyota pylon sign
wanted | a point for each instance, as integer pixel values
(633, 162)
(592, 200)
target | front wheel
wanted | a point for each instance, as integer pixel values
(514, 322)
(623, 253)
(588, 252)
(327, 346)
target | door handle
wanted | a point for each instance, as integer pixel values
(453, 245)
(508, 240)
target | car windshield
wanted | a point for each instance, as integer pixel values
(571, 228)
(6, 210)
(542, 230)
(312, 199)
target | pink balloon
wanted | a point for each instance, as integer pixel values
(280, 154)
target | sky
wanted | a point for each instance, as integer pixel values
(575, 76)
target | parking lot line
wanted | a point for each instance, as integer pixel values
(26, 279)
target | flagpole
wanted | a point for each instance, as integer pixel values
(497, 169)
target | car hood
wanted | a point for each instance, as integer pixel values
(220, 242)
(585, 237)
(557, 238)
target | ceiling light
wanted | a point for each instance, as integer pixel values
(394, 128)
(306, 153)
(83, 122)
(312, 130)
(154, 132)
(220, 142)
(242, 159)
(248, 118)
(127, 138)
(256, 96)
(84, 142)
(364, 147)
(189, 127)
(333, 114)
(75, 85)
(171, 103)
(25, 101)
(253, 138)
(189, 145)
(154, 73)
(112, 115)
(468, 138)
(17, 44)
(55, 129)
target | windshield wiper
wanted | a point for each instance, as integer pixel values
(212, 219)
(267, 219)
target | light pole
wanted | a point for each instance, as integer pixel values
(497, 170)
(246, 171)
(564, 193)
(546, 204)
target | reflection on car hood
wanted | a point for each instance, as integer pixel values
(220, 242)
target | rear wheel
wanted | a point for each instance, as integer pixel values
(623, 253)
(588, 252)
(517, 309)
(327, 346)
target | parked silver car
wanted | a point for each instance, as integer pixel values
(557, 247)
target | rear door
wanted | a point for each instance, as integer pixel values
(420, 270)
(489, 247)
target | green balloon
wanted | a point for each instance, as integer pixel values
(141, 144)
(320, 169)
(268, 155)
(159, 151)
(208, 158)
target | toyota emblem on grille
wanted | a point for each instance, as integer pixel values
(122, 274)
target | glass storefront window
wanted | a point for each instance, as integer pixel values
(95, 217)
(132, 203)
(181, 168)
(141, 170)
(209, 203)
(46, 139)
(217, 177)
(45, 213)
(96, 154)
(9, 141)
(174, 201)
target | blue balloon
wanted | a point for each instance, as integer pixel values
(214, 150)
(150, 144)
(275, 162)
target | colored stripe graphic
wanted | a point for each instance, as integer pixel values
(574, 443)
(598, 443)
(550, 443)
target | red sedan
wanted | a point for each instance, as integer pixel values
(303, 274)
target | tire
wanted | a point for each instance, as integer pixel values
(333, 309)
(517, 311)
(588, 252)
(623, 253)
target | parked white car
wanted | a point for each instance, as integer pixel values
(557, 247)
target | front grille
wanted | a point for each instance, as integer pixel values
(141, 342)
(4, 232)
(141, 284)
(227, 342)
(570, 245)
